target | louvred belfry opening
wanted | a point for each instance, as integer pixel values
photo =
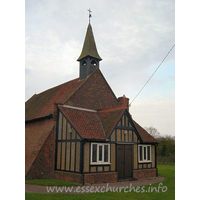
(89, 58)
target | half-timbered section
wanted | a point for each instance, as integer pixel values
(68, 143)
(81, 145)
(129, 152)
(103, 146)
(80, 131)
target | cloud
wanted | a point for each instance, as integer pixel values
(132, 37)
(157, 111)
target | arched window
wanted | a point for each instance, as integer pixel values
(84, 62)
(93, 62)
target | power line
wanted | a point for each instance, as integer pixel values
(152, 74)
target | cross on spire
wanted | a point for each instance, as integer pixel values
(89, 14)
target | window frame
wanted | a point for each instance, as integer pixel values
(91, 154)
(142, 156)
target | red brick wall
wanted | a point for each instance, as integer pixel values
(144, 173)
(101, 177)
(68, 176)
(43, 165)
(86, 178)
(124, 102)
(95, 93)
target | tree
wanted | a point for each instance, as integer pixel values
(165, 148)
(152, 131)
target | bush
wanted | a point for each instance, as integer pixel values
(165, 160)
(166, 150)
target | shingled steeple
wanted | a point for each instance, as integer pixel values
(89, 58)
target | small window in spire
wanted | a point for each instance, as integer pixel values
(84, 62)
(93, 62)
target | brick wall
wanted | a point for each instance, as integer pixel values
(95, 93)
(68, 176)
(124, 102)
(86, 178)
(101, 177)
(144, 173)
(43, 165)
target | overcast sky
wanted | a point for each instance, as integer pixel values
(132, 37)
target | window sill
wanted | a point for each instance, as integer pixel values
(143, 162)
(100, 163)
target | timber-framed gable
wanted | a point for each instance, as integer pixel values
(83, 133)
(125, 131)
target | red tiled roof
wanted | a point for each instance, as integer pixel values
(109, 118)
(42, 104)
(144, 135)
(85, 121)
(35, 135)
(92, 93)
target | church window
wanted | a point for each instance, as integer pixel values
(100, 153)
(144, 152)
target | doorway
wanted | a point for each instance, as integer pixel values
(124, 161)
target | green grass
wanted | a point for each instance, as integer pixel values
(50, 182)
(167, 171)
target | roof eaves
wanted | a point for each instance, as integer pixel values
(137, 132)
(39, 118)
(140, 138)
(143, 142)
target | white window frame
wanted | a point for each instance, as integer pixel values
(100, 162)
(144, 160)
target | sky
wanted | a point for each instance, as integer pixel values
(132, 38)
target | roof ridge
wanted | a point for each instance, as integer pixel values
(101, 124)
(87, 124)
(78, 108)
(106, 83)
(84, 81)
(110, 119)
(44, 100)
(113, 108)
(59, 88)
(116, 122)
(88, 78)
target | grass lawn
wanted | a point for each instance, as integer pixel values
(167, 171)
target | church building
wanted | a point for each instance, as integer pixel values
(81, 132)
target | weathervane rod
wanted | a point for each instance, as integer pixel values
(89, 14)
